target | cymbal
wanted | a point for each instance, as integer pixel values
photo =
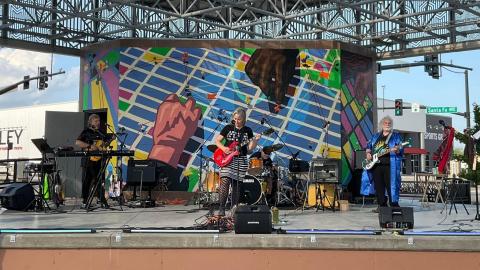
(212, 147)
(271, 148)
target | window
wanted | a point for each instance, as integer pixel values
(415, 162)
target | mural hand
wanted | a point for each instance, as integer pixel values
(174, 125)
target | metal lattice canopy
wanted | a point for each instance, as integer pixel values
(393, 29)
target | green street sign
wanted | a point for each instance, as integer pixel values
(441, 109)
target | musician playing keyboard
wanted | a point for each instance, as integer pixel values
(90, 140)
(237, 168)
(385, 174)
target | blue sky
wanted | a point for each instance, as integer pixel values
(415, 86)
(449, 90)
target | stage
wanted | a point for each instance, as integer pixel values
(136, 236)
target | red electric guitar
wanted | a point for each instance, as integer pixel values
(222, 159)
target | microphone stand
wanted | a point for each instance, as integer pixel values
(280, 138)
(118, 165)
(200, 149)
(237, 195)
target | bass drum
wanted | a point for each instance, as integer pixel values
(251, 190)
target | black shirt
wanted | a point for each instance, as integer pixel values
(231, 134)
(382, 145)
(266, 162)
(89, 136)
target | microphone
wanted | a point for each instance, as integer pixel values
(263, 121)
(294, 156)
(326, 124)
(232, 122)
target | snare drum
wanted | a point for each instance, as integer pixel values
(255, 166)
(251, 190)
(212, 181)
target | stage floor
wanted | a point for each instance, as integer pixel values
(322, 230)
(426, 218)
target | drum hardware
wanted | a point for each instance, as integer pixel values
(212, 147)
(283, 188)
(298, 166)
(211, 182)
(272, 148)
(255, 166)
(252, 190)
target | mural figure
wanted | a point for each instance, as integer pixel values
(175, 124)
(272, 70)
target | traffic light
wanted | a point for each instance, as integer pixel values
(26, 82)
(432, 69)
(398, 107)
(42, 81)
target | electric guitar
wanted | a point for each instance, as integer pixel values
(368, 164)
(222, 159)
(102, 145)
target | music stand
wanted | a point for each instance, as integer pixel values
(42, 146)
(45, 149)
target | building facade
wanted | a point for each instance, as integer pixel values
(422, 130)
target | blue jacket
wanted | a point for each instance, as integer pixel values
(367, 185)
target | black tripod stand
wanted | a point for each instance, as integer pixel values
(40, 202)
(117, 195)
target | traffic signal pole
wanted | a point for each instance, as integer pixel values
(15, 85)
(423, 63)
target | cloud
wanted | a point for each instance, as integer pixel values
(14, 64)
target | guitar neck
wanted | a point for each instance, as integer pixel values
(388, 150)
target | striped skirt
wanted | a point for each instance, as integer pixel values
(230, 170)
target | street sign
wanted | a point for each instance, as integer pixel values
(415, 107)
(441, 109)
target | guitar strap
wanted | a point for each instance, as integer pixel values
(388, 138)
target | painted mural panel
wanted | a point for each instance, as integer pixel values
(357, 116)
(173, 101)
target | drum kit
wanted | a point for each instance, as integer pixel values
(264, 183)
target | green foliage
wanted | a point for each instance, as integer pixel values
(462, 137)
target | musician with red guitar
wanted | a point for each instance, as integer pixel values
(239, 140)
(91, 139)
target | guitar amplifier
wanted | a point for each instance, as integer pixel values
(325, 170)
(142, 172)
(253, 219)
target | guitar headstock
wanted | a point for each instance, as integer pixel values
(268, 131)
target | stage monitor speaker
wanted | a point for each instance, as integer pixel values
(253, 219)
(17, 196)
(142, 172)
(396, 217)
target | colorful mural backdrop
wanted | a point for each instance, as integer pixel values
(172, 102)
(357, 102)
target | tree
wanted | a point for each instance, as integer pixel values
(463, 137)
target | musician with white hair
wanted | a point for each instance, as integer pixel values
(385, 174)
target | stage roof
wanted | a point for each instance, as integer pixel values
(392, 29)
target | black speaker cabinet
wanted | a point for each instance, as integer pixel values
(253, 219)
(396, 217)
(17, 196)
(141, 172)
